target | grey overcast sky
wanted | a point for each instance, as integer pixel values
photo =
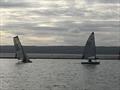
(60, 22)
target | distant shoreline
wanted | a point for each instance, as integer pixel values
(61, 49)
(58, 56)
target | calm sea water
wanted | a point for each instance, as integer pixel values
(59, 74)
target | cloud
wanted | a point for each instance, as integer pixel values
(5, 38)
(13, 4)
(104, 1)
(61, 22)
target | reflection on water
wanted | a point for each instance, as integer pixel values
(59, 74)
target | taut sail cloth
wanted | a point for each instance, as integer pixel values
(90, 48)
(20, 53)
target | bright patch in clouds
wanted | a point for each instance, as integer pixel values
(41, 39)
(5, 38)
(60, 22)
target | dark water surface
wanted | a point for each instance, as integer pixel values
(59, 74)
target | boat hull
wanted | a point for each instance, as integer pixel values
(27, 61)
(90, 63)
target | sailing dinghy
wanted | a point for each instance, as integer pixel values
(90, 51)
(20, 53)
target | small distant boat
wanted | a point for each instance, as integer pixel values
(20, 53)
(90, 51)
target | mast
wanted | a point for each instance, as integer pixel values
(119, 54)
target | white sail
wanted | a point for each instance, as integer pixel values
(90, 48)
(20, 53)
